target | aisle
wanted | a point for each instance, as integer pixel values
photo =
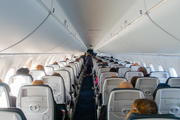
(85, 109)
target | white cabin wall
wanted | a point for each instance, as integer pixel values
(155, 60)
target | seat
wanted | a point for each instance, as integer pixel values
(128, 65)
(66, 77)
(161, 75)
(37, 102)
(5, 100)
(74, 68)
(109, 84)
(122, 71)
(109, 64)
(49, 70)
(129, 74)
(120, 102)
(55, 66)
(101, 70)
(18, 80)
(58, 87)
(136, 116)
(148, 70)
(135, 67)
(102, 78)
(147, 85)
(168, 101)
(113, 65)
(61, 64)
(37, 74)
(12, 114)
(173, 81)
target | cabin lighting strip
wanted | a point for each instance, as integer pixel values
(146, 13)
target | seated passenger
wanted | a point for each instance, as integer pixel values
(55, 63)
(96, 78)
(115, 62)
(59, 113)
(99, 60)
(143, 106)
(133, 80)
(39, 67)
(22, 71)
(125, 85)
(144, 71)
(68, 97)
(113, 70)
(135, 64)
(111, 60)
(13, 98)
(161, 85)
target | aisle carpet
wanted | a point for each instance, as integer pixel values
(85, 108)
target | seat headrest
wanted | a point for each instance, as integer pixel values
(6, 86)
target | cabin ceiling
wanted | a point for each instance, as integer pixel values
(93, 19)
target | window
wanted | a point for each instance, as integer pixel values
(160, 68)
(144, 64)
(172, 72)
(151, 66)
(9, 74)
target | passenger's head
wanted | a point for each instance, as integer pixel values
(111, 60)
(125, 85)
(68, 66)
(120, 64)
(1, 81)
(143, 70)
(114, 76)
(39, 67)
(22, 71)
(99, 60)
(37, 82)
(111, 56)
(67, 59)
(133, 80)
(135, 64)
(103, 66)
(113, 70)
(105, 63)
(56, 74)
(115, 62)
(77, 59)
(55, 63)
(144, 106)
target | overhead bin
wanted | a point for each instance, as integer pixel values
(51, 34)
(19, 18)
(145, 36)
(167, 17)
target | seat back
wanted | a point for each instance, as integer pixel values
(102, 78)
(122, 71)
(136, 116)
(36, 101)
(135, 67)
(128, 65)
(120, 102)
(71, 71)
(173, 81)
(168, 101)
(74, 68)
(109, 64)
(5, 100)
(11, 114)
(55, 66)
(37, 74)
(66, 77)
(78, 66)
(16, 81)
(101, 70)
(129, 74)
(49, 70)
(147, 85)
(161, 75)
(61, 64)
(113, 65)
(109, 84)
(57, 85)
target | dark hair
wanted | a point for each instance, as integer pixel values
(115, 62)
(111, 60)
(113, 70)
(22, 71)
(143, 70)
(133, 80)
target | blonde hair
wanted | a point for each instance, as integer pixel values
(55, 63)
(37, 82)
(40, 67)
(143, 106)
(56, 74)
(125, 85)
